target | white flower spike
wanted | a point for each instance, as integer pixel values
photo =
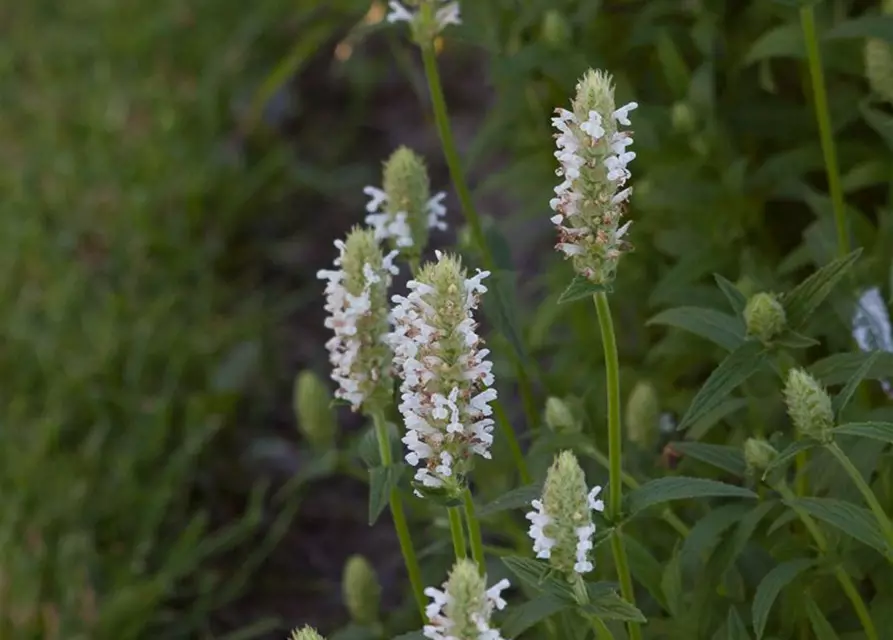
(356, 301)
(444, 13)
(871, 327)
(590, 201)
(461, 610)
(561, 524)
(446, 377)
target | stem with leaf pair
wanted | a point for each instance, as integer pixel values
(873, 503)
(843, 578)
(454, 164)
(399, 517)
(581, 593)
(615, 452)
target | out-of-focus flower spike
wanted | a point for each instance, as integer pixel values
(462, 608)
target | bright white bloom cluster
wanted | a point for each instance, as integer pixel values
(356, 301)
(592, 154)
(446, 377)
(444, 15)
(561, 524)
(396, 226)
(462, 609)
(871, 327)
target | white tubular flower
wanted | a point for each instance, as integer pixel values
(426, 22)
(871, 327)
(591, 199)
(403, 212)
(462, 609)
(356, 300)
(446, 377)
(561, 522)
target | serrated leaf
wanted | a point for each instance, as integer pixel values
(538, 575)
(882, 431)
(514, 499)
(610, 606)
(524, 616)
(707, 532)
(728, 459)
(368, 448)
(744, 533)
(580, 288)
(737, 367)
(645, 568)
(737, 300)
(820, 625)
(805, 298)
(735, 627)
(787, 454)
(877, 26)
(382, 481)
(667, 489)
(848, 518)
(843, 398)
(839, 368)
(771, 585)
(702, 426)
(794, 340)
(720, 328)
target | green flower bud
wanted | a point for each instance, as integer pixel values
(312, 404)
(808, 405)
(307, 633)
(559, 416)
(683, 118)
(356, 300)
(462, 610)
(758, 454)
(879, 67)
(556, 31)
(643, 414)
(561, 523)
(764, 316)
(403, 211)
(361, 590)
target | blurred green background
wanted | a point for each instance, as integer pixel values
(174, 173)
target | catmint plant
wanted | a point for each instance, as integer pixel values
(306, 633)
(462, 608)
(427, 18)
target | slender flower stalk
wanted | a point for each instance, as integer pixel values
(456, 533)
(462, 608)
(823, 116)
(474, 533)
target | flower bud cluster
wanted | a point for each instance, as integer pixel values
(446, 377)
(591, 199)
(461, 610)
(356, 300)
(561, 523)
(809, 405)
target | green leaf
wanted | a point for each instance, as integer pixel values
(805, 298)
(882, 431)
(580, 288)
(720, 328)
(671, 584)
(707, 533)
(728, 459)
(771, 585)
(681, 488)
(820, 625)
(382, 481)
(737, 300)
(737, 367)
(645, 568)
(839, 368)
(726, 408)
(843, 398)
(852, 520)
(785, 41)
(735, 627)
(514, 499)
(794, 340)
(787, 454)
(524, 616)
(744, 533)
(877, 26)
(501, 308)
(539, 575)
(878, 120)
(610, 606)
(412, 635)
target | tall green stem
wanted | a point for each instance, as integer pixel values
(456, 532)
(615, 452)
(873, 503)
(823, 115)
(399, 517)
(454, 164)
(843, 578)
(474, 533)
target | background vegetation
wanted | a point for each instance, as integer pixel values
(173, 175)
